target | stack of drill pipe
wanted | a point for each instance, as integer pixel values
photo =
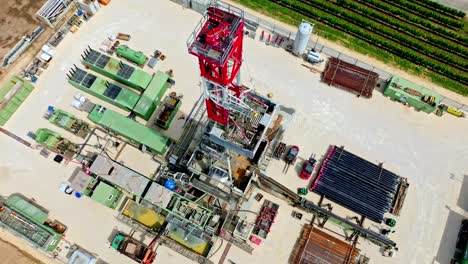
(370, 171)
(355, 194)
(349, 76)
(53, 8)
(357, 184)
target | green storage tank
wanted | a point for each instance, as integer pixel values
(132, 55)
(406, 92)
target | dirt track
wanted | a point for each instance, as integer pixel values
(11, 254)
(16, 19)
(458, 4)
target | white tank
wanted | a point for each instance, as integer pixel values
(302, 38)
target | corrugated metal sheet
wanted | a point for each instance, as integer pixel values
(351, 77)
(318, 247)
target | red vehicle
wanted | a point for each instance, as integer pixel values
(292, 154)
(307, 168)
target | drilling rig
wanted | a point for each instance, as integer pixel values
(238, 118)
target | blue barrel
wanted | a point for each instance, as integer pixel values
(79, 12)
(170, 184)
(77, 195)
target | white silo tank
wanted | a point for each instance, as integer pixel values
(302, 38)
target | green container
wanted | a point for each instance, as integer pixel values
(27, 220)
(152, 96)
(106, 195)
(110, 92)
(113, 68)
(129, 129)
(406, 92)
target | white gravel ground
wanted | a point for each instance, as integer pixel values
(431, 152)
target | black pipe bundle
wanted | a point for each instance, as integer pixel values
(357, 184)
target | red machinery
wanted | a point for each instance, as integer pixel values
(266, 219)
(217, 42)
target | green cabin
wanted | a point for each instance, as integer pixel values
(106, 195)
(12, 95)
(152, 96)
(406, 92)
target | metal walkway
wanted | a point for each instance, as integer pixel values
(190, 128)
(15, 137)
(271, 186)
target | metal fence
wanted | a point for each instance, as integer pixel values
(274, 29)
(278, 30)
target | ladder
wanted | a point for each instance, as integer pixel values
(181, 149)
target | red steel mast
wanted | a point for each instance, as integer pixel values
(217, 42)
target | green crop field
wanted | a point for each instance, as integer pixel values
(419, 36)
